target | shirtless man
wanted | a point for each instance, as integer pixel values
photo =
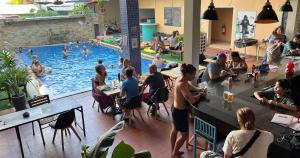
(182, 98)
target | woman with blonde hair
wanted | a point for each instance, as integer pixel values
(248, 142)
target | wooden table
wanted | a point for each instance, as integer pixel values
(175, 72)
(14, 120)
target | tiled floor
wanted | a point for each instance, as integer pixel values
(152, 134)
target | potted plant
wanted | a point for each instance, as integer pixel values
(122, 150)
(12, 77)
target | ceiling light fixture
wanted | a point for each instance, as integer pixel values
(287, 7)
(267, 15)
(210, 13)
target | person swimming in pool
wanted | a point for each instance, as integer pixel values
(30, 52)
(65, 52)
(37, 68)
(85, 51)
(77, 44)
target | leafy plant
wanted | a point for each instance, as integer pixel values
(81, 9)
(180, 38)
(11, 75)
(43, 13)
(99, 2)
(122, 150)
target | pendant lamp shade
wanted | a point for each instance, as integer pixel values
(286, 7)
(58, 2)
(267, 15)
(210, 13)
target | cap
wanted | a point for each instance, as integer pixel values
(158, 55)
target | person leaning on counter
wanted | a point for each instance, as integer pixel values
(278, 96)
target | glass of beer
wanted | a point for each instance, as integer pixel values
(230, 97)
(225, 95)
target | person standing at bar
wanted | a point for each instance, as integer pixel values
(182, 98)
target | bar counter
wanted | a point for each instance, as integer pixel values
(222, 114)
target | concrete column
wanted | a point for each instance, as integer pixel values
(129, 14)
(292, 21)
(191, 32)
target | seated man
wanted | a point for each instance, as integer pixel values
(155, 81)
(216, 70)
(126, 65)
(278, 96)
(130, 89)
(292, 48)
(158, 61)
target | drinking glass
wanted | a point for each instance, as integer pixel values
(230, 97)
(225, 95)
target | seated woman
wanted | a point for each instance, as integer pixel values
(237, 140)
(100, 76)
(292, 48)
(37, 68)
(158, 45)
(274, 52)
(278, 96)
(237, 63)
(126, 64)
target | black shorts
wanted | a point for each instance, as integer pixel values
(180, 119)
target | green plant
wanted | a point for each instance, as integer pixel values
(43, 13)
(81, 9)
(100, 2)
(11, 75)
(180, 38)
(122, 150)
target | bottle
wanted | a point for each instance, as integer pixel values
(289, 70)
(255, 79)
(253, 69)
(229, 83)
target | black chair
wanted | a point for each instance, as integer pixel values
(64, 122)
(161, 95)
(134, 103)
(37, 101)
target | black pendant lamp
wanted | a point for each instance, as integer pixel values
(58, 2)
(210, 13)
(267, 15)
(286, 7)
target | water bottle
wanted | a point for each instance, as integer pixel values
(255, 79)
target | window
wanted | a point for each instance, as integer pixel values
(172, 16)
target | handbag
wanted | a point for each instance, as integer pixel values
(295, 141)
(248, 145)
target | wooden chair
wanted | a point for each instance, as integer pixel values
(37, 101)
(64, 122)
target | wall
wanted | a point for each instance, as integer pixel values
(216, 32)
(21, 33)
(110, 14)
(159, 6)
(237, 5)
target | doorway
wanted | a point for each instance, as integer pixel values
(96, 29)
(221, 29)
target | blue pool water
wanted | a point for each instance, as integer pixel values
(74, 73)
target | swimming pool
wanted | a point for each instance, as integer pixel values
(74, 73)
